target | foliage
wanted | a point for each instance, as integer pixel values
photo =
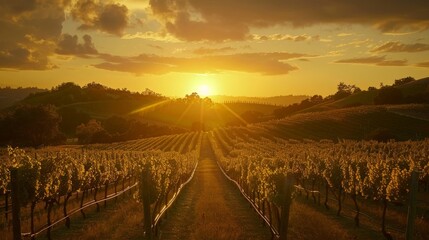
(389, 95)
(402, 81)
(29, 125)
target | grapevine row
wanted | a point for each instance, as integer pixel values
(360, 169)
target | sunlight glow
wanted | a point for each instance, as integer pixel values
(203, 90)
(150, 107)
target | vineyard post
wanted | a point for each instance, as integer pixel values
(287, 195)
(16, 208)
(146, 202)
(6, 207)
(412, 205)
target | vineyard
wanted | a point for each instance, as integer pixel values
(359, 175)
(48, 182)
(366, 181)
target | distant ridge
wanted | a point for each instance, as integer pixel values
(275, 100)
(10, 96)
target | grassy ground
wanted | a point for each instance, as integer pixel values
(121, 220)
(211, 208)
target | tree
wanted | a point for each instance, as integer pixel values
(402, 81)
(116, 125)
(29, 125)
(252, 116)
(193, 97)
(344, 90)
(389, 95)
(91, 132)
(71, 118)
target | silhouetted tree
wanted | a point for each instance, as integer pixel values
(71, 118)
(389, 95)
(31, 125)
(91, 132)
(116, 125)
(252, 116)
(403, 81)
(344, 90)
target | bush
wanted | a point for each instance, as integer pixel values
(381, 135)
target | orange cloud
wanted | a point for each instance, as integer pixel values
(262, 63)
(281, 37)
(208, 51)
(400, 47)
(374, 60)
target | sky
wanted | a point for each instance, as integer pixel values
(239, 47)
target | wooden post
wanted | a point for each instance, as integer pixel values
(287, 200)
(146, 202)
(16, 207)
(6, 206)
(412, 205)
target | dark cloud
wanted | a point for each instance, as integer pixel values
(23, 59)
(208, 51)
(423, 64)
(29, 32)
(193, 30)
(110, 18)
(68, 45)
(262, 63)
(374, 60)
(400, 47)
(156, 46)
(18, 6)
(195, 20)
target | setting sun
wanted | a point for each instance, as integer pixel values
(204, 90)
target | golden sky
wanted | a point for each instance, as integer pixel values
(231, 47)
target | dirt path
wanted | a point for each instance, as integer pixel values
(210, 207)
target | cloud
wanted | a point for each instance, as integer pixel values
(187, 29)
(29, 32)
(208, 51)
(400, 47)
(110, 18)
(150, 35)
(344, 34)
(18, 6)
(374, 60)
(195, 20)
(423, 64)
(283, 37)
(23, 59)
(156, 46)
(262, 63)
(68, 45)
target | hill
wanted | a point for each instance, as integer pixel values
(408, 90)
(403, 122)
(10, 96)
(211, 115)
(276, 100)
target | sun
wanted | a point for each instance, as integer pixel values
(204, 90)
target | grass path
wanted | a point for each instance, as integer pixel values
(211, 208)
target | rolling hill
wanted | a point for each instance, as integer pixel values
(367, 97)
(404, 122)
